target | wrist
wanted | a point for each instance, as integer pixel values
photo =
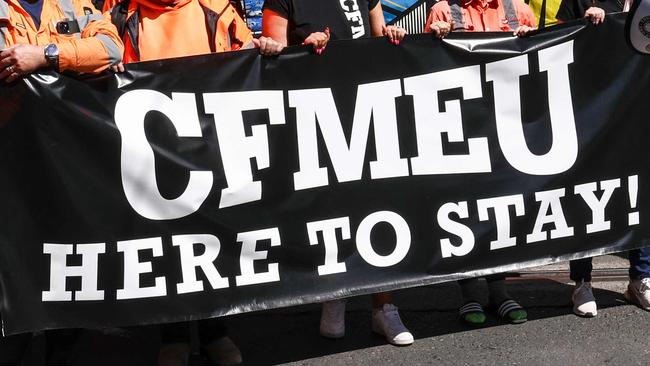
(51, 56)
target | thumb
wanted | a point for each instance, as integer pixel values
(256, 42)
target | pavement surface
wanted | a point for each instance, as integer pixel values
(552, 336)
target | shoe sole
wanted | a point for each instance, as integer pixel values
(634, 300)
(585, 315)
(332, 335)
(379, 333)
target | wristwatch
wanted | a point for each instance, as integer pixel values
(52, 56)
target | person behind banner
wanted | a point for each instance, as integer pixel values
(295, 22)
(545, 12)
(60, 35)
(480, 16)
(638, 289)
(592, 10)
(483, 16)
(160, 29)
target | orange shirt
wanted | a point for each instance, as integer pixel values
(170, 29)
(477, 18)
(97, 47)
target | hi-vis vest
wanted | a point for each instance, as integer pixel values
(73, 24)
(456, 8)
(223, 34)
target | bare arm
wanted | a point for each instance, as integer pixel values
(377, 21)
(378, 26)
(275, 26)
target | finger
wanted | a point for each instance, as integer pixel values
(4, 74)
(7, 61)
(8, 51)
(327, 31)
(393, 34)
(256, 42)
(384, 31)
(12, 77)
(120, 67)
(401, 34)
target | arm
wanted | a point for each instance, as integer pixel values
(99, 47)
(275, 26)
(595, 14)
(527, 22)
(378, 26)
(437, 23)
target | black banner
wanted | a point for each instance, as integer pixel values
(213, 185)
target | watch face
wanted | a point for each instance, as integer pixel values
(51, 50)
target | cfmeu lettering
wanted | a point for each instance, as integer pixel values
(209, 247)
(316, 110)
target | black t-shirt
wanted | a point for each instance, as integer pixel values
(575, 9)
(345, 18)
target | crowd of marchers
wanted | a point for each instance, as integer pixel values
(80, 36)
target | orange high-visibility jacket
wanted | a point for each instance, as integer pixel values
(94, 48)
(159, 29)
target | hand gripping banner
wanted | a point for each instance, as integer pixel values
(220, 184)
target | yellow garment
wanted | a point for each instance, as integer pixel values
(552, 6)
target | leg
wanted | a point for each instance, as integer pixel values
(638, 290)
(332, 319)
(381, 298)
(584, 302)
(471, 312)
(387, 322)
(175, 348)
(507, 308)
(639, 263)
(581, 270)
(220, 348)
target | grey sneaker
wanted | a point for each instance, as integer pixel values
(386, 322)
(638, 293)
(332, 319)
(584, 302)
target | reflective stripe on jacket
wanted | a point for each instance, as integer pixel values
(474, 17)
(93, 47)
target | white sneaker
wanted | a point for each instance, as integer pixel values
(638, 293)
(332, 319)
(386, 322)
(584, 302)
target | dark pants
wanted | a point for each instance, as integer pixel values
(209, 330)
(639, 266)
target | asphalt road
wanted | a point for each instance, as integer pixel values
(552, 336)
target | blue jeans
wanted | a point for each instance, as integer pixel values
(639, 266)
